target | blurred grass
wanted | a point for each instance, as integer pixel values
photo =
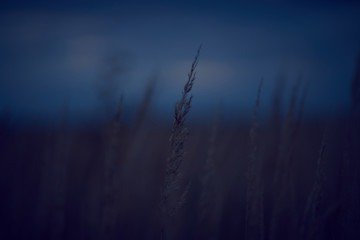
(105, 181)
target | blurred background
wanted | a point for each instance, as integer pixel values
(85, 54)
(87, 96)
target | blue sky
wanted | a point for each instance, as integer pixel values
(53, 52)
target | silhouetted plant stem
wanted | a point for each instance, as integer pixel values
(253, 212)
(172, 198)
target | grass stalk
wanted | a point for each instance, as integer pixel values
(172, 198)
(254, 214)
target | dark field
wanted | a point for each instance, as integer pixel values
(281, 178)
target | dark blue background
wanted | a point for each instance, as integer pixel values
(56, 53)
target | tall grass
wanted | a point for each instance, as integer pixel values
(172, 197)
(254, 228)
(107, 181)
(311, 219)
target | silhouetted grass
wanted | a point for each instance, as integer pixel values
(172, 197)
(277, 179)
